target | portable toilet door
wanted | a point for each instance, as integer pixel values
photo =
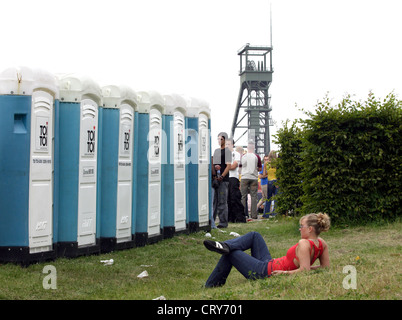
(149, 161)
(154, 172)
(27, 102)
(125, 170)
(203, 170)
(179, 171)
(117, 155)
(173, 170)
(88, 173)
(78, 232)
(179, 163)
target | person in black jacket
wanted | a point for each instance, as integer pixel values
(235, 207)
(222, 160)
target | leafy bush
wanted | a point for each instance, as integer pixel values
(288, 169)
(350, 160)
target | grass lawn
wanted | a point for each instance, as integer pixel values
(178, 268)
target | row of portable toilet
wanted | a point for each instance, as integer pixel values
(85, 169)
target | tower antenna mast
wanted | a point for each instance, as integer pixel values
(252, 114)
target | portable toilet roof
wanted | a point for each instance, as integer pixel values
(113, 96)
(175, 102)
(75, 87)
(148, 99)
(170, 104)
(24, 80)
(129, 96)
(198, 106)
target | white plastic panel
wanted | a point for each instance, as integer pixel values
(154, 172)
(203, 163)
(180, 204)
(41, 173)
(87, 173)
(124, 187)
(179, 172)
(154, 212)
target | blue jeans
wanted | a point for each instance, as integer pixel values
(251, 267)
(220, 204)
(272, 191)
(211, 213)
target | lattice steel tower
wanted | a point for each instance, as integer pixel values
(252, 115)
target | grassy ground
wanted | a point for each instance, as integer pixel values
(179, 267)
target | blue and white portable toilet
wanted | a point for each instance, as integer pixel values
(78, 223)
(173, 169)
(27, 117)
(198, 171)
(116, 183)
(148, 155)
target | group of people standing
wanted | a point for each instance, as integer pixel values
(235, 174)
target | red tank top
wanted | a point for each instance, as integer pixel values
(287, 262)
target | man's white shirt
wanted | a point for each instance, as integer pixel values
(235, 172)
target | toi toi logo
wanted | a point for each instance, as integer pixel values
(91, 141)
(43, 135)
(49, 281)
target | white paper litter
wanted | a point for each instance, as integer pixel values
(107, 262)
(208, 235)
(143, 274)
(234, 234)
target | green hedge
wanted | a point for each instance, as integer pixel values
(289, 169)
(349, 158)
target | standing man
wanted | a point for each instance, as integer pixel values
(235, 207)
(222, 160)
(251, 164)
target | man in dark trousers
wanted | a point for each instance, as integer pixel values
(235, 207)
(222, 160)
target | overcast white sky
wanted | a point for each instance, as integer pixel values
(190, 47)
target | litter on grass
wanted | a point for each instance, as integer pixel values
(107, 262)
(143, 274)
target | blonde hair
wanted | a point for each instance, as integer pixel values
(239, 149)
(272, 155)
(319, 221)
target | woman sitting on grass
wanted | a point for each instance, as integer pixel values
(299, 257)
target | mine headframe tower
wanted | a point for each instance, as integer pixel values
(252, 115)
